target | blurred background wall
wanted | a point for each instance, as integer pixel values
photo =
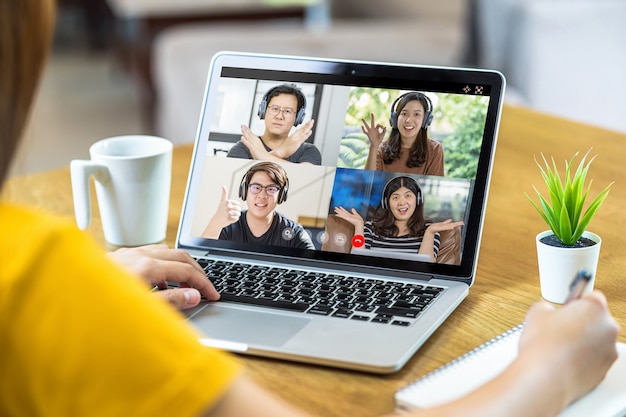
(139, 66)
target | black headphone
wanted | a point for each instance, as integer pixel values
(428, 113)
(245, 182)
(301, 111)
(385, 197)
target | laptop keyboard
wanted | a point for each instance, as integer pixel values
(333, 295)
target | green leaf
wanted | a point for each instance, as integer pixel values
(592, 209)
(563, 213)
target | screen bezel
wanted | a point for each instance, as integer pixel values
(350, 73)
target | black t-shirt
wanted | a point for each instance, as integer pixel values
(282, 232)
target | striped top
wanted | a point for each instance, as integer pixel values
(408, 244)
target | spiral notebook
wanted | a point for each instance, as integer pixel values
(473, 369)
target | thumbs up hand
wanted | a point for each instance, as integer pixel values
(228, 211)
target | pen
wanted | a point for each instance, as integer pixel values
(578, 285)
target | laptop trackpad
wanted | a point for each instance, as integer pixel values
(252, 328)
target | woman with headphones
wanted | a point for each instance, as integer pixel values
(408, 148)
(263, 187)
(282, 108)
(399, 222)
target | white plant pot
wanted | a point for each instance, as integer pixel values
(559, 266)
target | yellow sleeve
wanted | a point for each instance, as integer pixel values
(80, 336)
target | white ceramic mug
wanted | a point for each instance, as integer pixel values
(132, 178)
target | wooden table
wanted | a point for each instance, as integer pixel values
(507, 280)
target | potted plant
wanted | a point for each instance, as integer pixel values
(567, 247)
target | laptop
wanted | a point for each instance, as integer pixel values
(323, 303)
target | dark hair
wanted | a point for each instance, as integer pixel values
(25, 35)
(275, 171)
(392, 148)
(290, 89)
(277, 174)
(384, 224)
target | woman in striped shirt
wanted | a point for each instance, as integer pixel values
(399, 222)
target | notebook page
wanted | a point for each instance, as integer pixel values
(464, 374)
(609, 398)
(482, 364)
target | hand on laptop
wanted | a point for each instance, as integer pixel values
(158, 264)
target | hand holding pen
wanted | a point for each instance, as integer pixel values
(578, 285)
(575, 342)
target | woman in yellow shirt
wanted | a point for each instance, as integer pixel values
(80, 335)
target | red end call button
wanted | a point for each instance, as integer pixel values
(358, 241)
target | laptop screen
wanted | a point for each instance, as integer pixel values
(349, 164)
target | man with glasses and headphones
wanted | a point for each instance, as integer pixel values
(408, 148)
(282, 108)
(263, 187)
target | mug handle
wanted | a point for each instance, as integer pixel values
(80, 171)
